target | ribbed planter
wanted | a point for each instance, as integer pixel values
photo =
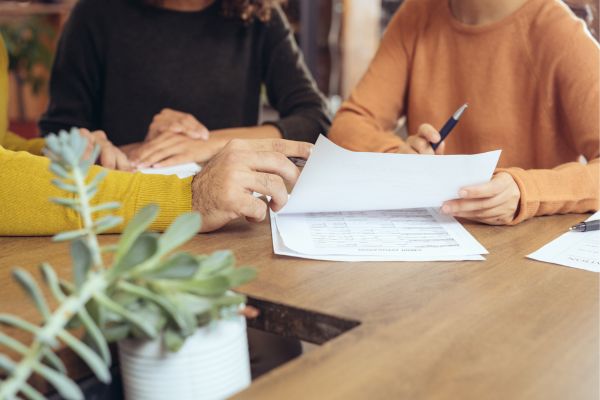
(212, 364)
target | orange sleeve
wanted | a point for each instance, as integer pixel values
(572, 187)
(366, 121)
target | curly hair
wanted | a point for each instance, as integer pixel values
(248, 10)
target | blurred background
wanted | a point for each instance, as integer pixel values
(338, 38)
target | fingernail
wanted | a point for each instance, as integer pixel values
(446, 209)
(463, 193)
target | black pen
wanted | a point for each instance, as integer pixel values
(447, 128)
(298, 162)
(586, 226)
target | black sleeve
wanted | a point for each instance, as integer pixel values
(290, 87)
(76, 78)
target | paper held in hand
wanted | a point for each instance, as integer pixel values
(349, 206)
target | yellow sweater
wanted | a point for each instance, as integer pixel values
(532, 84)
(25, 185)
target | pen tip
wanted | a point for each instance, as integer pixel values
(460, 111)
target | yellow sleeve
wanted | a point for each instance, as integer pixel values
(17, 143)
(25, 189)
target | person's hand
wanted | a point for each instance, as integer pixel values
(110, 156)
(170, 121)
(223, 190)
(422, 141)
(175, 148)
(493, 203)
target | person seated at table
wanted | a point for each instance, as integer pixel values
(221, 192)
(204, 63)
(528, 70)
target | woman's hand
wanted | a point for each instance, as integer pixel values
(421, 142)
(493, 203)
(110, 156)
(175, 148)
(176, 122)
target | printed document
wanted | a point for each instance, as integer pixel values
(573, 249)
(400, 235)
(349, 206)
(335, 179)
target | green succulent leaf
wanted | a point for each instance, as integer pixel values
(58, 170)
(86, 164)
(239, 276)
(116, 332)
(185, 227)
(70, 235)
(70, 203)
(138, 224)
(152, 315)
(95, 335)
(142, 249)
(30, 393)
(216, 262)
(82, 261)
(210, 286)
(173, 340)
(61, 382)
(52, 281)
(178, 266)
(170, 309)
(136, 320)
(27, 282)
(96, 364)
(114, 205)
(232, 299)
(67, 187)
(11, 320)
(106, 223)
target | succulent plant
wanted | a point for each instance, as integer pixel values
(149, 291)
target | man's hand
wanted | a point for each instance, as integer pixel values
(422, 141)
(170, 121)
(175, 148)
(110, 156)
(493, 203)
(223, 190)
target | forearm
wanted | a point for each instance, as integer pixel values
(353, 129)
(255, 132)
(568, 188)
(25, 190)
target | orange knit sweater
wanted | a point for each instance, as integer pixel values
(532, 84)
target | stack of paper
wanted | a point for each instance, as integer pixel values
(349, 206)
(573, 249)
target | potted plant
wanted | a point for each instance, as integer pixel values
(153, 300)
(29, 42)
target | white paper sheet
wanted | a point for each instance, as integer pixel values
(408, 235)
(335, 179)
(573, 249)
(182, 170)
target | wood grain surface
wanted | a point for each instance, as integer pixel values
(505, 328)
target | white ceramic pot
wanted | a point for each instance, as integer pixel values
(212, 364)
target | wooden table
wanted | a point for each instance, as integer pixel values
(506, 328)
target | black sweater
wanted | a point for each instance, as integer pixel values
(119, 63)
